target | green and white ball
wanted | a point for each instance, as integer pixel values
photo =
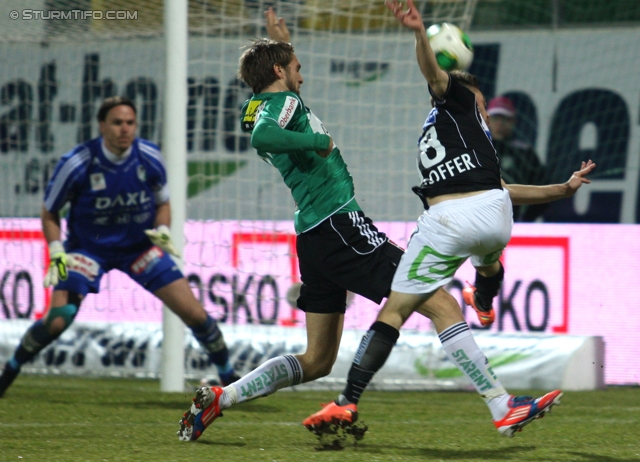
(451, 45)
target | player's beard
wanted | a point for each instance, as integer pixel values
(292, 85)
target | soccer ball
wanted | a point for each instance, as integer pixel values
(451, 45)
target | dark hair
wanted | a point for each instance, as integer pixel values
(112, 102)
(465, 78)
(257, 61)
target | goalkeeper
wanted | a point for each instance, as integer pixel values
(118, 219)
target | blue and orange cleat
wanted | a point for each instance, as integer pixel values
(486, 317)
(524, 410)
(204, 410)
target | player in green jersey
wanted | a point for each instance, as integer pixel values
(339, 249)
(292, 139)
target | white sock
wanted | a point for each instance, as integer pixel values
(499, 406)
(463, 351)
(269, 377)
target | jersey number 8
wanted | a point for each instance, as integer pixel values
(428, 144)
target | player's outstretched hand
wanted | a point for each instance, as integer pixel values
(409, 17)
(276, 28)
(580, 177)
(161, 236)
(59, 261)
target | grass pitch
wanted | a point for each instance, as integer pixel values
(81, 419)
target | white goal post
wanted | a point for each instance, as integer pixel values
(174, 143)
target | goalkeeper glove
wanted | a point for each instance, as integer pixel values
(59, 261)
(161, 236)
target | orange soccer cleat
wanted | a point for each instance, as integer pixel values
(331, 417)
(486, 317)
(204, 410)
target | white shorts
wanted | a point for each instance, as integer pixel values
(450, 232)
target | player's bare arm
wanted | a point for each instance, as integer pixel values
(276, 27)
(163, 215)
(410, 17)
(527, 194)
(50, 225)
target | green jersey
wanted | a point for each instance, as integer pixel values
(287, 135)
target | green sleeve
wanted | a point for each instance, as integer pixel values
(267, 136)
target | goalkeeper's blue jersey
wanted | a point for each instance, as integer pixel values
(110, 204)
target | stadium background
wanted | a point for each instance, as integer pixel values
(571, 66)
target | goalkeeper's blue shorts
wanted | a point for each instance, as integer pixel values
(152, 269)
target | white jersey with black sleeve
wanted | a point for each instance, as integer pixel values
(455, 150)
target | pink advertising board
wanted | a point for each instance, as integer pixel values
(560, 278)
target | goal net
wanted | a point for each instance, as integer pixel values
(573, 88)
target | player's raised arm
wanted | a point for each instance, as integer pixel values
(527, 194)
(276, 27)
(410, 17)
